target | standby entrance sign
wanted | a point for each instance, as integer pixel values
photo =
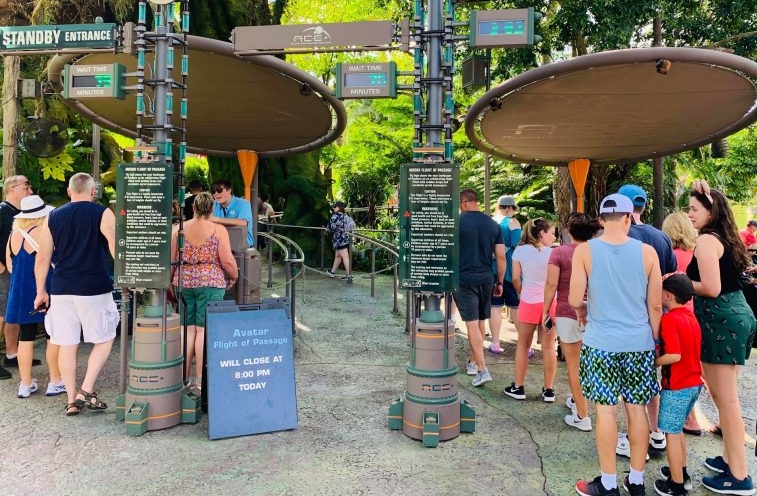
(73, 38)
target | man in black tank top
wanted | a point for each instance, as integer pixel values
(79, 238)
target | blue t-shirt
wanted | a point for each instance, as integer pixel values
(478, 236)
(658, 240)
(239, 208)
(617, 298)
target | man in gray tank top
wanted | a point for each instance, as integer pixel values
(617, 357)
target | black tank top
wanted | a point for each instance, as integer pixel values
(730, 279)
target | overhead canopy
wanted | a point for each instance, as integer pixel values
(262, 103)
(616, 106)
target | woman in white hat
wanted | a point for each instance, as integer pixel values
(21, 253)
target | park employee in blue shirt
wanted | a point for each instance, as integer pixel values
(230, 210)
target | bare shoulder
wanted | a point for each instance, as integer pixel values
(514, 223)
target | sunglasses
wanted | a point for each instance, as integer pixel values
(218, 189)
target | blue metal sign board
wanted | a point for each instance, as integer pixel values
(57, 37)
(251, 381)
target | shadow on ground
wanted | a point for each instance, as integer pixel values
(350, 353)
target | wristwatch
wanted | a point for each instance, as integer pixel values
(497, 283)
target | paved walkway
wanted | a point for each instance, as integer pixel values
(350, 354)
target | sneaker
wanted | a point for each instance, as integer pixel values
(330, 273)
(716, 464)
(665, 472)
(55, 389)
(5, 374)
(664, 487)
(570, 403)
(348, 279)
(482, 378)
(493, 350)
(26, 391)
(548, 395)
(519, 393)
(623, 448)
(13, 362)
(531, 353)
(471, 368)
(726, 483)
(582, 424)
(633, 489)
(595, 488)
(657, 441)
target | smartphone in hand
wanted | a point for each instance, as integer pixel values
(548, 324)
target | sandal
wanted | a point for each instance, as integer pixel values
(73, 408)
(92, 401)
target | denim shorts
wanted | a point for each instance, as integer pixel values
(675, 406)
(606, 376)
(474, 302)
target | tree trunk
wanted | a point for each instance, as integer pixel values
(562, 195)
(598, 186)
(12, 67)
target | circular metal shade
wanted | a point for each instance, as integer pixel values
(616, 106)
(261, 103)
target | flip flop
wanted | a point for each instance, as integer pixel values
(692, 432)
(495, 351)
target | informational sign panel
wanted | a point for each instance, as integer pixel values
(366, 80)
(510, 28)
(250, 375)
(429, 219)
(93, 81)
(15, 40)
(143, 225)
(312, 37)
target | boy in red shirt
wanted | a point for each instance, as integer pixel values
(680, 349)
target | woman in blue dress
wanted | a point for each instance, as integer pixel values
(21, 254)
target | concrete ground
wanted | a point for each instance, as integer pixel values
(350, 353)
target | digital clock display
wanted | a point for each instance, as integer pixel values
(365, 79)
(515, 27)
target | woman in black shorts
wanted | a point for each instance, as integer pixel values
(728, 327)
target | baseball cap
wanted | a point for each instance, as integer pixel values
(634, 193)
(680, 285)
(506, 201)
(616, 204)
(338, 204)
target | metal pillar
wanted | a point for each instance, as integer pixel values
(168, 401)
(431, 410)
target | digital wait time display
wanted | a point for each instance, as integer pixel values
(98, 81)
(371, 80)
(506, 27)
(354, 79)
(93, 81)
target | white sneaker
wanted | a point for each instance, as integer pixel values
(571, 404)
(657, 441)
(482, 378)
(471, 368)
(26, 391)
(55, 389)
(623, 448)
(582, 424)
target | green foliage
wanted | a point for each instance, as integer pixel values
(57, 166)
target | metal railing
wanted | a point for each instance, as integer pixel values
(374, 246)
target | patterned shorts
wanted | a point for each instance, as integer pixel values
(675, 406)
(727, 328)
(606, 376)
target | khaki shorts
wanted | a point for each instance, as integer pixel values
(568, 330)
(68, 316)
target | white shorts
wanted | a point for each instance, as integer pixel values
(70, 315)
(568, 330)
